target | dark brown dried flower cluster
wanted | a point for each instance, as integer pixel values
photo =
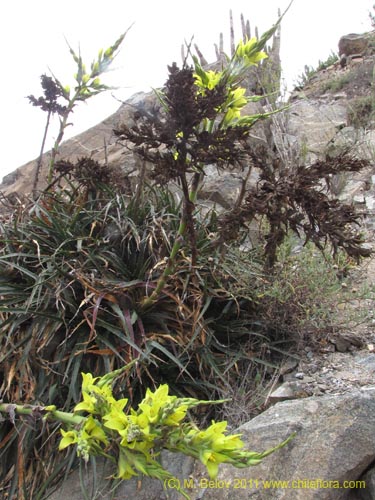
(52, 91)
(299, 199)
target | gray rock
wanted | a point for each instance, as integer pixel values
(368, 493)
(288, 366)
(334, 442)
(282, 393)
(137, 488)
(353, 44)
(342, 345)
(10, 178)
(368, 362)
(314, 123)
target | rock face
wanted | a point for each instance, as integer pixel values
(313, 123)
(334, 445)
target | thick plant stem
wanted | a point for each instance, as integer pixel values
(56, 146)
(40, 159)
(148, 301)
(50, 413)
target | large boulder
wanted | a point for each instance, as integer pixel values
(334, 445)
(354, 44)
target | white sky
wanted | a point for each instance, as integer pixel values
(32, 39)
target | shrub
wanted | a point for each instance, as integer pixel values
(361, 111)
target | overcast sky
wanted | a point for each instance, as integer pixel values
(33, 33)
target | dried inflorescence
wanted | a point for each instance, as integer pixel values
(52, 92)
(90, 174)
(299, 199)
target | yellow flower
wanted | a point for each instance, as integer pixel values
(176, 416)
(247, 51)
(88, 381)
(161, 394)
(236, 98)
(69, 437)
(116, 419)
(93, 431)
(231, 442)
(88, 404)
(87, 438)
(212, 460)
(207, 79)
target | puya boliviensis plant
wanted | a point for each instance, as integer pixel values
(61, 99)
(100, 426)
(203, 124)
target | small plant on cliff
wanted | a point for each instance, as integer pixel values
(309, 71)
(361, 111)
(77, 269)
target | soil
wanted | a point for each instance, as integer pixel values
(344, 362)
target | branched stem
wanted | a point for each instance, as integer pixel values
(49, 413)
